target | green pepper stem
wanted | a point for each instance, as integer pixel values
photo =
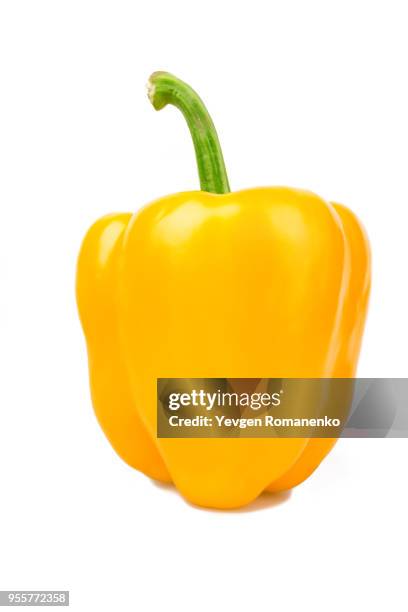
(163, 89)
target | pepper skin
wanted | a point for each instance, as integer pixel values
(269, 282)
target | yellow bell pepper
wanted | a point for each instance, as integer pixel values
(269, 282)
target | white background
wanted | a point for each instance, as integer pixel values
(310, 94)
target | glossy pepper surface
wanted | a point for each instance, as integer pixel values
(268, 282)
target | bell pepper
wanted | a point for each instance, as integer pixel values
(267, 282)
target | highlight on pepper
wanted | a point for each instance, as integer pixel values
(283, 280)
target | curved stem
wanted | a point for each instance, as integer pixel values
(163, 89)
